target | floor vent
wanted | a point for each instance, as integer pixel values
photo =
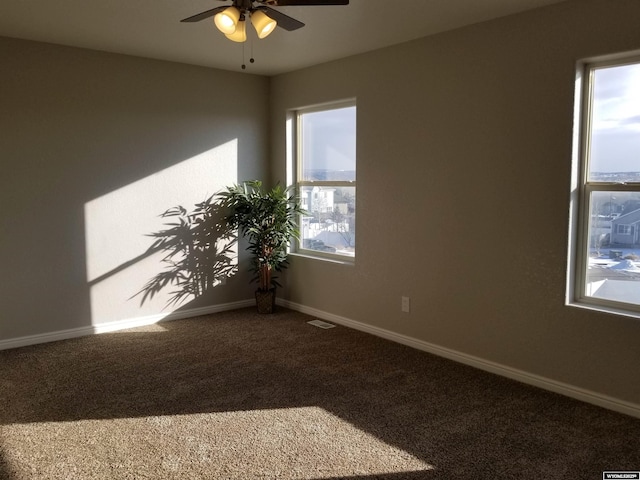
(321, 324)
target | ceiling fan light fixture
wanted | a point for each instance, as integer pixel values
(240, 34)
(227, 20)
(263, 24)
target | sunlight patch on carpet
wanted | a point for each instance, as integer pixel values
(295, 443)
(150, 328)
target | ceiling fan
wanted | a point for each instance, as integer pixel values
(231, 19)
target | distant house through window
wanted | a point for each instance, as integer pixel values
(605, 252)
(325, 176)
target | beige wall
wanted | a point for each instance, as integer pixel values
(464, 161)
(464, 147)
(93, 148)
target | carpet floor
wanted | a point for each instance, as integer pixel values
(237, 395)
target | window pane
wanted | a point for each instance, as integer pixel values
(330, 225)
(613, 270)
(328, 143)
(615, 124)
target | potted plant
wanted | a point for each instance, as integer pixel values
(267, 219)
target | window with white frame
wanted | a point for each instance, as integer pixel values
(624, 230)
(606, 261)
(325, 176)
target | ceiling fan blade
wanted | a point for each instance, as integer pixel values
(203, 15)
(284, 21)
(290, 3)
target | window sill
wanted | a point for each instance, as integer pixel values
(599, 307)
(325, 258)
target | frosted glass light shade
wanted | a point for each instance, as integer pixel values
(240, 34)
(227, 20)
(263, 24)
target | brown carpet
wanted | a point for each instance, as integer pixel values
(238, 395)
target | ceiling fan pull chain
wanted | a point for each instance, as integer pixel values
(251, 60)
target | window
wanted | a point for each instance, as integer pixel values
(606, 268)
(325, 174)
(624, 230)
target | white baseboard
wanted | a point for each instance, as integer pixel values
(120, 325)
(567, 390)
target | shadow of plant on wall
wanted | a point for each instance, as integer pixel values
(200, 252)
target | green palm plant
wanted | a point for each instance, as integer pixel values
(267, 219)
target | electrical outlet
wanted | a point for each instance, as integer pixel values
(406, 304)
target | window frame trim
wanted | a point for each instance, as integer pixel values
(296, 246)
(583, 188)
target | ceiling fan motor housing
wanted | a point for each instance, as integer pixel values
(247, 6)
(243, 5)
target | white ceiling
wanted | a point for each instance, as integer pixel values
(152, 28)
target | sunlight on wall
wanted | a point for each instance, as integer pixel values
(301, 443)
(117, 225)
